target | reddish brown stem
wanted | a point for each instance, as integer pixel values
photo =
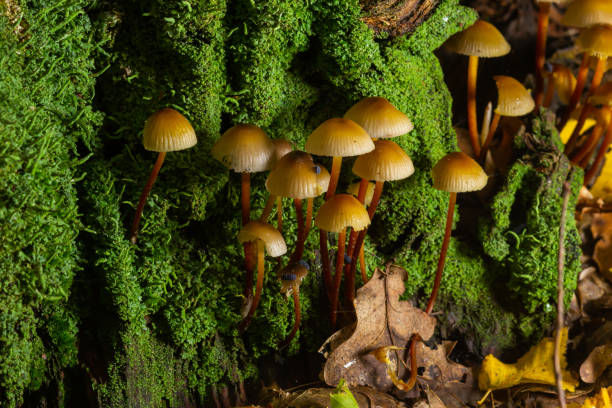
(265, 214)
(333, 177)
(308, 217)
(362, 265)
(589, 178)
(245, 197)
(440, 269)
(299, 247)
(296, 323)
(248, 247)
(487, 142)
(471, 104)
(550, 92)
(279, 214)
(408, 385)
(338, 275)
(588, 145)
(540, 57)
(331, 189)
(144, 195)
(363, 188)
(580, 81)
(260, 278)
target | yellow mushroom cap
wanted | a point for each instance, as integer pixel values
(379, 118)
(353, 189)
(457, 173)
(387, 162)
(564, 81)
(339, 137)
(323, 179)
(292, 276)
(513, 99)
(342, 211)
(244, 148)
(586, 13)
(168, 131)
(603, 95)
(481, 39)
(281, 148)
(272, 239)
(596, 41)
(295, 176)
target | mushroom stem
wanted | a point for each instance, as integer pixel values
(265, 215)
(597, 76)
(299, 246)
(447, 233)
(338, 275)
(350, 278)
(471, 103)
(245, 197)
(550, 92)
(413, 363)
(296, 323)
(309, 202)
(487, 142)
(589, 178)
(249, 261)
(363, 188)
(333, 177)
(260, 277)
(543, 17)
(144, 195)
(279, 214)
(486, 122)
(362, 265)
(331, 189)
(580, 81)
(588, 145)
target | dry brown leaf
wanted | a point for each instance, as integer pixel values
(438, 367)
(453, 394)
(433, 399)
(601, 228)
(382, 320)
(320, 398)
(596, 363)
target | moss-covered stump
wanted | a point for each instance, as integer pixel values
(156, 322)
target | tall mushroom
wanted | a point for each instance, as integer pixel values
(263, 235)
(336, 215)
(563, 81)
(291, 277)
(479, 40)
(165, 131)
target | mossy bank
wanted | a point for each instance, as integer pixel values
(84, 314)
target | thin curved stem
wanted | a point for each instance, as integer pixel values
(471, 104)
(144, 195)
(299, 246)
(413, 363)
(362, 265)
(296, 323)
(589, 178)
(588, 145)
(580, 81)
(279, 214)
(338, 275)
(363, 188)
(260, 278)
(487, 142)
(540, 57)
(265, 215)
(333, 177)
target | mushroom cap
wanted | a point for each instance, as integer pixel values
(339, 137)
(323, 178)
(603, 95)
(481, 39)
(457, 173)
(168, 131)
(272, 239)
(513, 99)
(342, 211)
(244, 148)
(586, 13)
(353, 189)
(292, 276)
(281, 148)
(596, 41)
(564, 81)
(379, 118)
(295, 176)
(387, 162)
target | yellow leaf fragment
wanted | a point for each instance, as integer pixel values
(569, 127)
(535, 367)
(601, 400)
(603, 184)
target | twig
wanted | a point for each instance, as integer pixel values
(560, 295)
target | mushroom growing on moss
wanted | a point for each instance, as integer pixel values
(291, 277)
(379, 118)
(165, 131)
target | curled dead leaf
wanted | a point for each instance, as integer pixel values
(598, 360)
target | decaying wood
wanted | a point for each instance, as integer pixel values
(396, 17)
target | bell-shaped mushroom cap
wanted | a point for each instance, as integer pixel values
(292, 275)
(513, 99)
(596, 41)
(342, 211)
(339, 137)
(244, 148)
(323, 178)
(457, 173)
(603, 95)
(379, 118)
(353, 189)
(168, 131)
(272, 239)
(281, 148)
(586, 13)
(481, 39)
(295, 176)
(387, 162)
(564, 81)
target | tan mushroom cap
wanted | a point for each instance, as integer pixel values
(481, 39)
(295, 176)
(457, 173)
(281, 148)
(564, 81)
(513, 99)
(387, 162)
(379, 118)
(353, 189)
(339, 137)
(586, 13)
(168, 131)
(272, 239)
(603, 95)
(323, 179)
(342, 211)
(244, 148)
(596, 41)
(292, 276)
